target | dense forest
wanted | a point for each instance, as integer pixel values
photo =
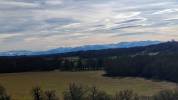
(155, 61)
(23, 64)
(161, 67)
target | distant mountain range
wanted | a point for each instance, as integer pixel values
(81, 48)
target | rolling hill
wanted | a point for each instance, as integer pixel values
(80, 48)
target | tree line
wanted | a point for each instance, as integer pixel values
(81, 60)
(79, 92)
(160, 66)
(24, 64)
(156, 62)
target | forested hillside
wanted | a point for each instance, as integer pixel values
(155, 61)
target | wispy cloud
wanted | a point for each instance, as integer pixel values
(42, 24)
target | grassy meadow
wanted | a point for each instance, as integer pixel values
(20, 84)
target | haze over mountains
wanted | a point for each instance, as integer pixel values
(80, 48)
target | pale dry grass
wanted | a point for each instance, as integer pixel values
(20, 84)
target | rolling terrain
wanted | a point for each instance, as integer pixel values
(79, 48)
(124, 65)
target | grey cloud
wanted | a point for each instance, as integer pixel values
(125, 27)
(80, 19)
(61, 21)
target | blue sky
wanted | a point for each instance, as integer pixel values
(45, 24)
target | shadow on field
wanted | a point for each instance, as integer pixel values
(124, 77)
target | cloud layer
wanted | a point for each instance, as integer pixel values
(45, 24)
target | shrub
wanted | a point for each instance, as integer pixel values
(126, 95)
(37, 93)
(3, 94)
(75, 92)
(167, 95)
(51, 95)
(95, 94)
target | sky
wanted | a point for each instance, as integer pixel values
(46, 24)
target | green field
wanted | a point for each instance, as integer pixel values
(20, 84)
